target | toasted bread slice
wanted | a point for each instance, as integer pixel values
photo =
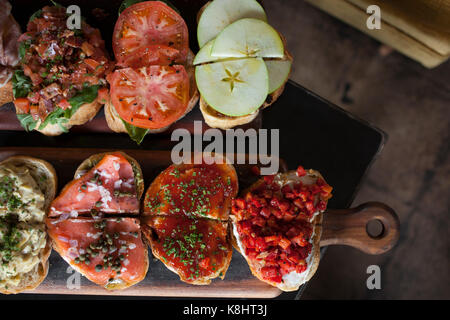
(218, 120)
(115, 122)
(157, 235)
(196, 200)
(71, 236)
(66, 230)
(45, 176)
(6, 93)
(293, 280)
(215, 119)
(84, 114)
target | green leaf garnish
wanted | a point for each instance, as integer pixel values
(136, 134)
(27, 121)
(61, 117)
(21, 84)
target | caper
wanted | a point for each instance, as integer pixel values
(77, 260)
(87, 261)
(88, 250)
(121, 257)
(104, 249)
(116, 235)
(82, 257)
(98, 268)
(94, 254)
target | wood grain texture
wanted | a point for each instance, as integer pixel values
(424, 20)
(388, 34)
(349, 227)
(346, 227)
(9, 121)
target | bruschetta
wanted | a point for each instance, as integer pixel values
(154, 84)
(185, 219)
(94, 222)
(276, 226)
(27, 187)
(61, 80)
(225, 108)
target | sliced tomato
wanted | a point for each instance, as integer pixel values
(108, 187)
(150, 33)
(150, 97)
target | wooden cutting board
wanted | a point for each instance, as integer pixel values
(347, 227)
(419, 29)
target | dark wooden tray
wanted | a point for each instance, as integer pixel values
(345, 227)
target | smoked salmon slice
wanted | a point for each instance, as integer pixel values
(108, 251)
(108, 187)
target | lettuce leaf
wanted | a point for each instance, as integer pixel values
(136, 134)
(27, 121)
(21, 84)
(60, 117)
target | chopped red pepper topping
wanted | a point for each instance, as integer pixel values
(274, 223)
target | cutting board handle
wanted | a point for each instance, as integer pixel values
(350, 227)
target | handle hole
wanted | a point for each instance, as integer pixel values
(375, 229)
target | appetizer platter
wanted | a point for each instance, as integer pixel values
(123, 219)
(95, 225)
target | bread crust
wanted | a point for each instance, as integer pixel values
(34, 278)
(115, 122)
(84, 114)
(6, 93)
(315, 241)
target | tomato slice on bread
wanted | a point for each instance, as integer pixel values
(150, 97)
(150, 33)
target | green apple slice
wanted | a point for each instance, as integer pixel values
(204, 55)
(248, 38)
(235, 87)
(279, 71)
(220, 13)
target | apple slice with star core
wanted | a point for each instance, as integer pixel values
(234, 88)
